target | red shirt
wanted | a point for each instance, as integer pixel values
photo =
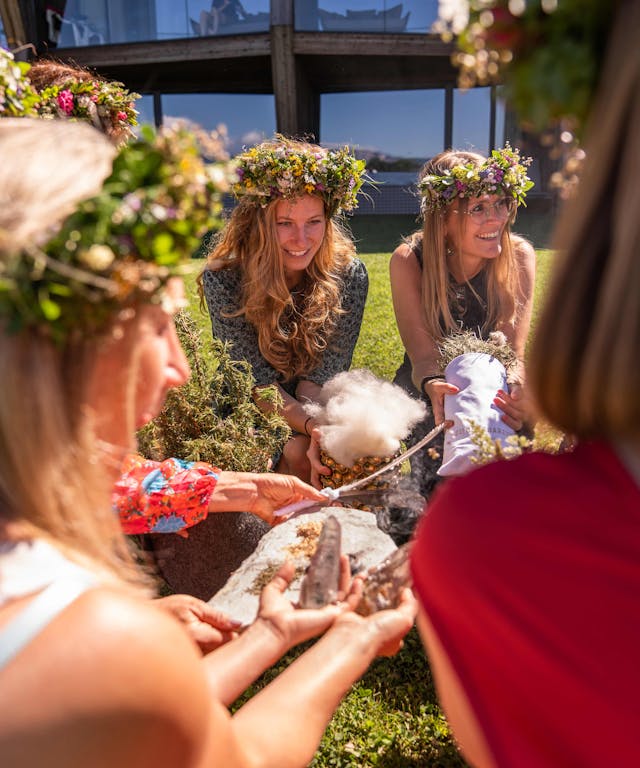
(529, 571)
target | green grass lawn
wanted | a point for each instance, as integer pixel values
(390, 718)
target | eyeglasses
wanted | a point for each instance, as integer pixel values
(479, 212)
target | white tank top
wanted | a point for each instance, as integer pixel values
(28, 567)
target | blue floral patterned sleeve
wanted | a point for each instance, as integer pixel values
(163, 496)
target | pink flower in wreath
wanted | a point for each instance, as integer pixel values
(122, 116)
(65, 101)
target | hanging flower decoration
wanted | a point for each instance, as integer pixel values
(17, 97)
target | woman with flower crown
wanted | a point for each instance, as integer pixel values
(464, 270)
(172, 495)
(283, 284)
(94, 672)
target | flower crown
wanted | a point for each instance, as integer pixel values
(275, 169)
(108, 105)
(119, 247)
(503, 172)
(17, 97)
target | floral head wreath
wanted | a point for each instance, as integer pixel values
(108, 105)
(277, 169)
(17, 97)
(120, 247)
(504, 172)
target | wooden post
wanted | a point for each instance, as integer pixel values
(297, 106)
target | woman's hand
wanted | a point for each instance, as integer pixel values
(384, 630)
(514, 406)
(208, 627)
(313, 454)
(435, 390)
(295, 625)
(260, 494)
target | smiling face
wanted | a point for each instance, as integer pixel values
(300, 225)
(475, 231)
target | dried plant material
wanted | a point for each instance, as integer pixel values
(322, 579)
(308, 534)
(385, 583)
(496, 345)
(263, 578)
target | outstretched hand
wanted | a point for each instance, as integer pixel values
(295, 625)
(208, 627)
(261, 494)
(386, 629)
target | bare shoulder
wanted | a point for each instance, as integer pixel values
(524, 251)
(120, 680)
(404, 252)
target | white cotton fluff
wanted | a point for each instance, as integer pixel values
(361, 415)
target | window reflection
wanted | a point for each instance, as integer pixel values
(387, 16)
(79, 23)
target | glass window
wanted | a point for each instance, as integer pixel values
(471, 117)
(366, 15)
(249, 118)
(396, 125)
(144, 105)
(95, 22)
(215, 17)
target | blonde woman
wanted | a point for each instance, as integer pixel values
(95, 673)
(464, 270)
(528, 571)
(283, 284)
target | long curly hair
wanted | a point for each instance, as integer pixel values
(294, 329)
(437, 291)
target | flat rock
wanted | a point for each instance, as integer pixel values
(295, 540)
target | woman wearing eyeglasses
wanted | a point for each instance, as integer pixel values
(464, 270)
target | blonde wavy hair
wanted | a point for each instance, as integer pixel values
(292, 333)
(501, 272)
(53, 483)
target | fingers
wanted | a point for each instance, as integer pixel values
(512, 407)
(218, 619)
(313, 454)
(282, 579)
(436, 391)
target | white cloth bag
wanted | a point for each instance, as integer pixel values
(478, 376)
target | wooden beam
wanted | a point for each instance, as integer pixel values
(192, 49)
(368, 44)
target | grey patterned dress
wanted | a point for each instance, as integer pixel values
(222, 291)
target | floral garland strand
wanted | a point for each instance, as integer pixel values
(17, 97)
(504, 172)
(121, 245)
(275, 170)
(108, 105)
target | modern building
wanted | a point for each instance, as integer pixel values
(369, 73)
